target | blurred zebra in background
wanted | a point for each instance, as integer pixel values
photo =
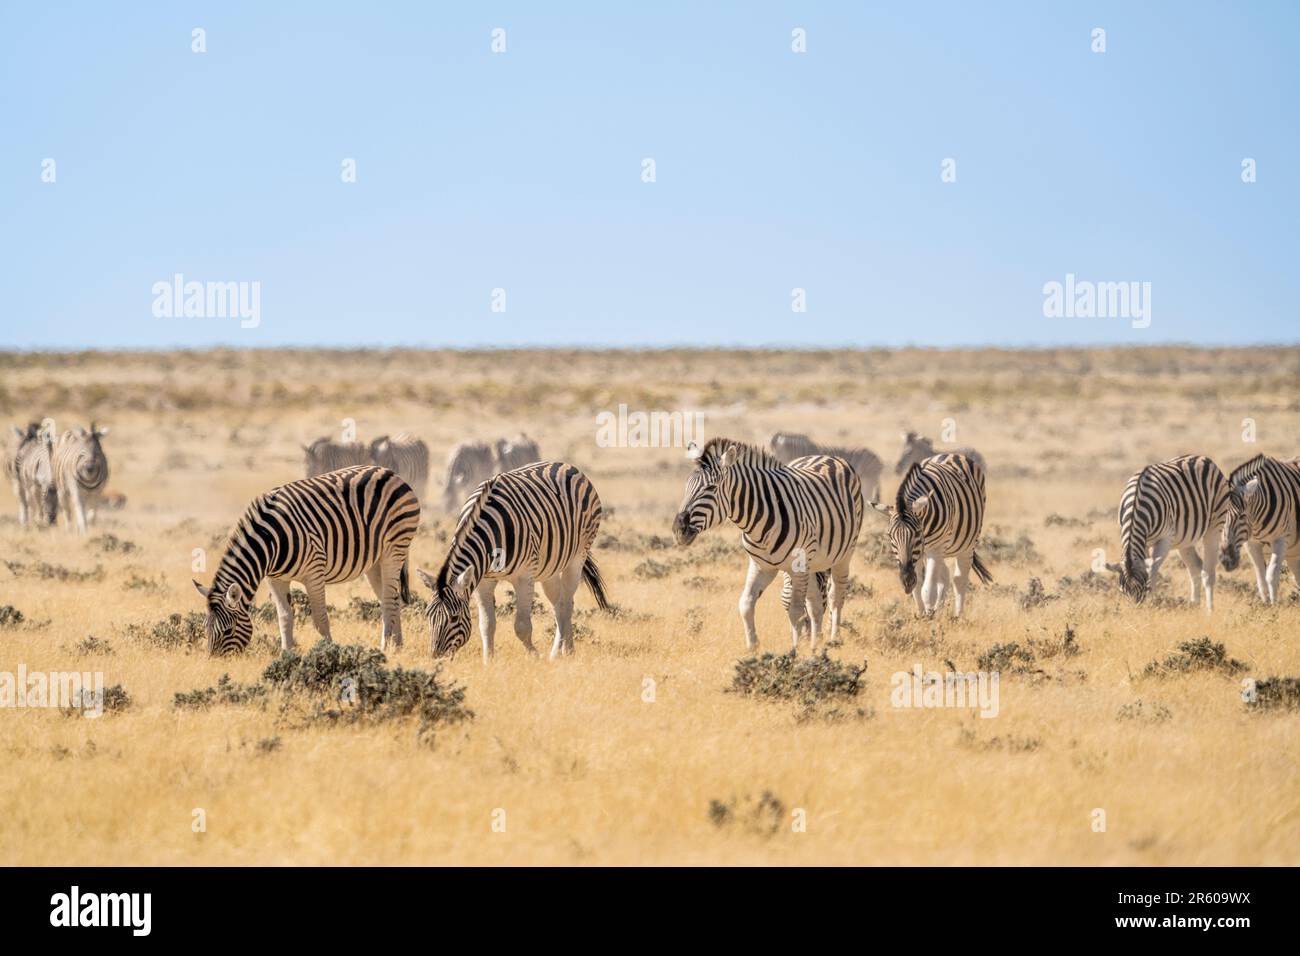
(787, 446)
(800, 519)
(1265, 496)
(406, 455)
(80, 470)
(512, 453)
(469, 464)
(938, 514)
(19, 439)
(316, 531)
(1172, 505)
(917, 448)
(325, 454)
(40, 501)
(533, 525)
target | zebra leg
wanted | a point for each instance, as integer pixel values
(21, 494)
(1209, 566)
(816, 612)
(798, 604)
(838, 592)
(279, 588)
(75, 506)
(1275, 569)
(316, 601)
(386, 585)
(1256, 552)
(1294, 565)
(1194, 568)
(960, 583)
(524, 613)
(942, 581)
(756, 581)
(931, 584)
(559, 591)
(485, 595)
(1158, 555)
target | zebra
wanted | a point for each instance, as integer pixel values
(917, 448)
(535, 524)
(19, 440)
(788, 446)
(40, 494)
(80, 470)
(511, 453)
(406, 455)
(938, 514)
(1265, 496)
(316, 531)
(468, 465)
(1169, 505)
(802, 518)
(324, 455)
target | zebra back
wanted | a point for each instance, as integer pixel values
(406, 455)
(325, 454)
(512, 453)
(952, 485)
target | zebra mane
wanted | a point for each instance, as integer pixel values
(900, 501)
(1248, 470)
(749, 454)
(469, 516)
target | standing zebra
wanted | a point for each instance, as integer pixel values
(787, 446)
(468, 465)
(511, 453)
(80, 473)
(535, 524)
(19, 439)
(800, 519)
(1169, 505)
(40, 493)
(917, 448)
(324, 455)
(938, 514)
(316, 531)
(1265, 496)
(406, 455)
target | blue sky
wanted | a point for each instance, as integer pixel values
(523, 171)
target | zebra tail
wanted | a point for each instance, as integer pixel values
(404, 582)
(978, 567)
(591, 575)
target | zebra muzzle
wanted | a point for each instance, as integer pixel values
(682, 530)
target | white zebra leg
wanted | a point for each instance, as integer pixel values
(756, 581)
(1256, 552)
(1275, 569)
(800, 595)
(1294, 565)
(816, 613)
(1193, 562)
(485, 596)
(930, 584)
(943, 582)
(572, 578)
(920, 601)
(279, 588)
(524, 613)
(839, 591)
(562, 605)
(960, 583)
(1210, 564)
(21, 494)
(316, 601)
(76, 506)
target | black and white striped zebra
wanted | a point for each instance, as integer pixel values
(19, 439)
(1265, 512)
(469, 464)
(938, 514)
(406, 455)
(1173, 505)
(325, 454)
(533, 525)
(787, 446)
(801, 519)
(36, 482)
(316, 531)
(80, 470)
(511, 453)
(917, 448)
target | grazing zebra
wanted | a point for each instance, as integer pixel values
(316, 531)
(80, 470)
(938, 514)
(511, 453)
(1265, 495)
(787, 446)
(801, 519)
(917, 448)
(40, 493)
(468, 465)
(1169, 505)
(18, 440)
(533, 525)
(406, 455)
(324, 455)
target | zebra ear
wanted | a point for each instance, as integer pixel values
(1112, 566)
(462, 583)
(692, 450)
(1251, 489)
(201, 589)
(427, 578)
(101, 432)
(921, 505)
(729, 457)
(883, 509)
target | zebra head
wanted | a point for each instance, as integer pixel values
(448, 611)
(905, 534)
(229, 625)
(702, 507)
(1237, 528)
(915, 448)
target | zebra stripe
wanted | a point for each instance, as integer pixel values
(1172, 505)
(938, 513)
(19, 440)
(406, 455)
(1265, 510)
(36, 477)
(468, 465)
(80, 470)
(917, 448)
(325, 455)
(787, 446)
(316, 531)
(800, 519)
(512, 453)
(535, 524)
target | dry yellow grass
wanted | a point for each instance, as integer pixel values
(585, 769)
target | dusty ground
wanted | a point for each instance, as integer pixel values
(584, 768)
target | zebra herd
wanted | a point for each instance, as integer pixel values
(53, 477)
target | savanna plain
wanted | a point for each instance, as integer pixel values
(643, 748)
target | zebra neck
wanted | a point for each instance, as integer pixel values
(751, 520)
(243, 565)
(474, 555)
